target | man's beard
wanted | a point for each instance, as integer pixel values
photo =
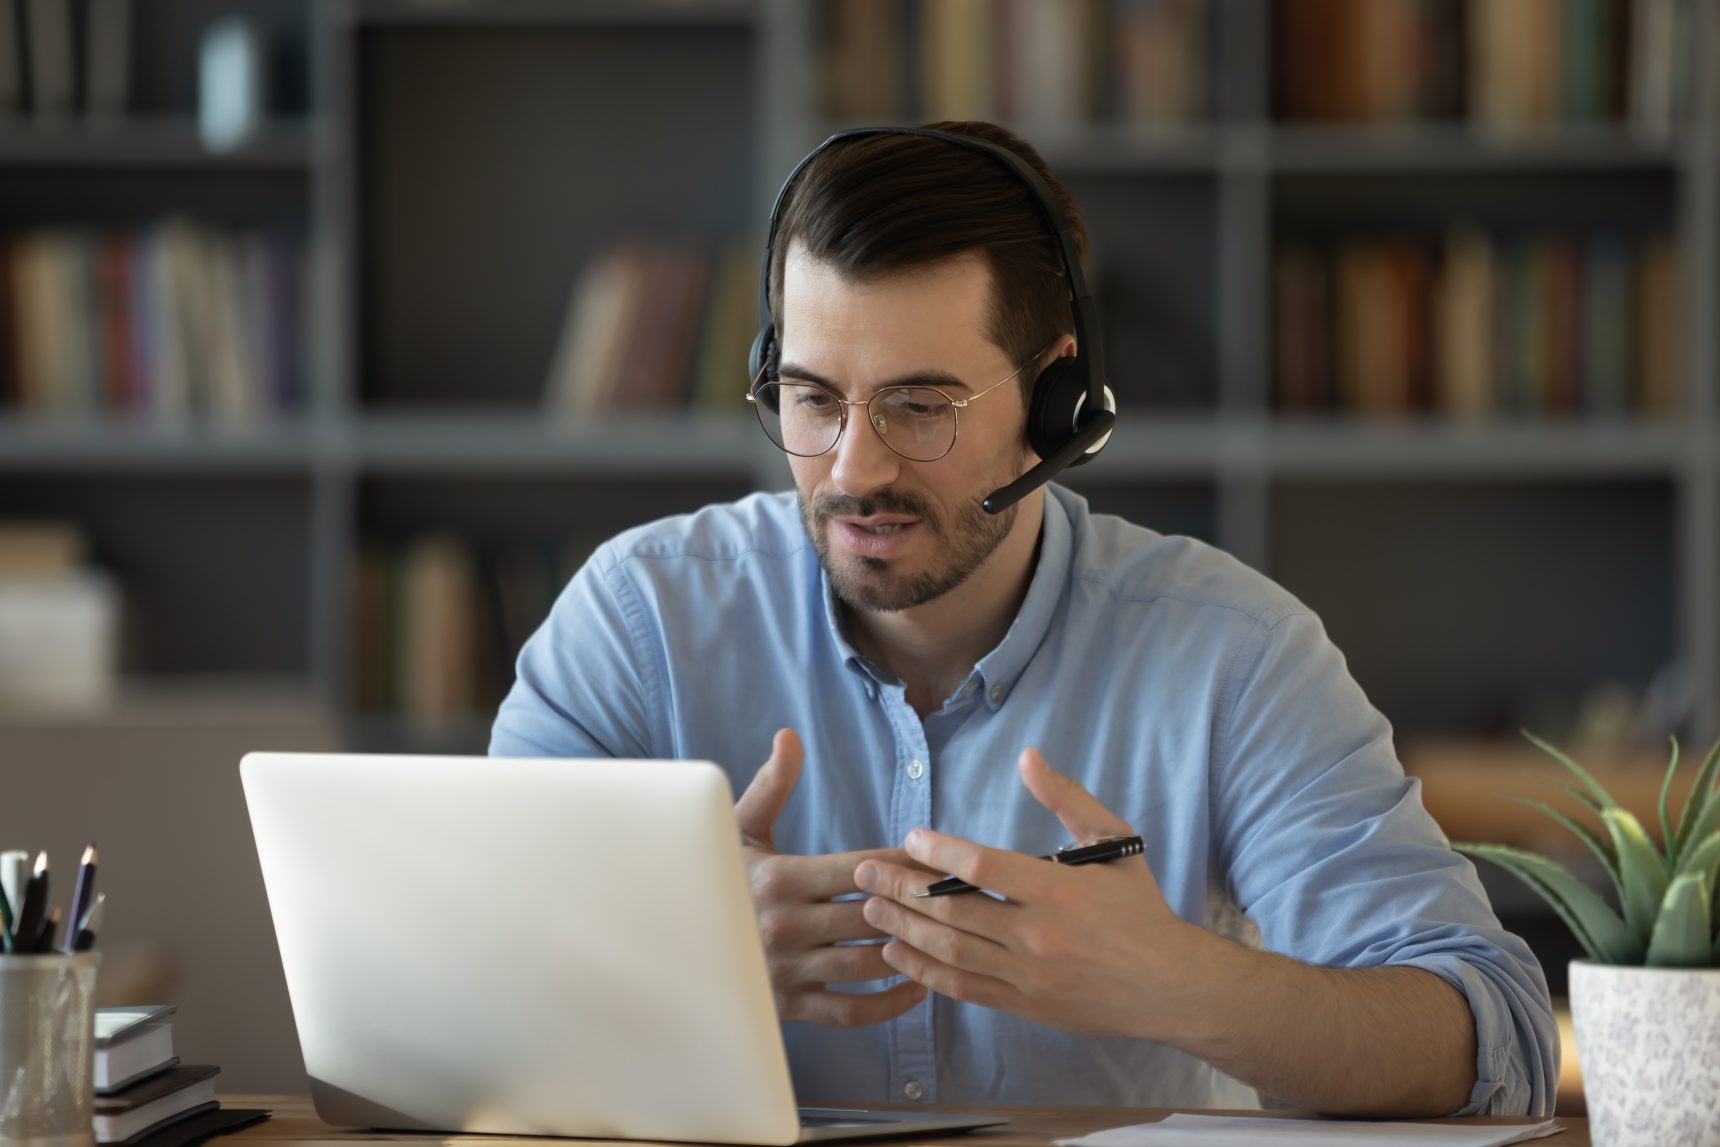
(868, 583)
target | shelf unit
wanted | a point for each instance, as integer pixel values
(448, 144)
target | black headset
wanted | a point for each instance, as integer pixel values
(1072, 411)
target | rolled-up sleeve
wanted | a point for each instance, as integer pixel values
(1326, 846)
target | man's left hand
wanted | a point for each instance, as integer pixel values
(1088, 948)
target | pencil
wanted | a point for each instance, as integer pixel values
(81, 893)
(86, 932)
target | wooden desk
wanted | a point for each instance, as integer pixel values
(295, 1123)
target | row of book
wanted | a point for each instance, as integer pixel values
(173, 321)
(1503, 65)
(144, 1096)
(653, 327)
(1039, 63)
(440, 621)
(60, 57)
(1479, 326)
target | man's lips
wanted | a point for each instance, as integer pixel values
(857, 537)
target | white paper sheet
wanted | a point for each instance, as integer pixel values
(1253, 1131)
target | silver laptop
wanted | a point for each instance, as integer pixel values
(529, 947)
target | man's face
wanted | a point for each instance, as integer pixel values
(894, 533)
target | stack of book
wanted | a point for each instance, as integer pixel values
(1502, 66)
(144, 1097)
(1479, 326)
(170, 322)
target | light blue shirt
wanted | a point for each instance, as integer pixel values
(1197, 699)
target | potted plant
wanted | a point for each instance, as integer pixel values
(1646, 1002)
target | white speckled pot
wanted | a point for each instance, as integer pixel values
(1649, 1042)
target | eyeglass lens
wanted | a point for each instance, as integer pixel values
(806, 419)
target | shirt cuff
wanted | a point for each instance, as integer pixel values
(1516, 1038)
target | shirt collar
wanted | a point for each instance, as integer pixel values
(998, 670)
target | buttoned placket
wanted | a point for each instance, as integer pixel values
(912, 1039)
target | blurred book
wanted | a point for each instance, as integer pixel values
(143, 1051)
(59, 621)
(654, 327)
(1041, 65)
(154, 1102)
(439, 621)
(1478, 326)
(169, 323)
(1506, 68)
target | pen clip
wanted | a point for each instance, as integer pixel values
(1089, 843)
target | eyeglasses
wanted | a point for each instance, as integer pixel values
(806, 419)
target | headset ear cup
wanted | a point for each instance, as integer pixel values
(764, 343)
(1051, 409)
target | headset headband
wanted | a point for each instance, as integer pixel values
(1081, 303)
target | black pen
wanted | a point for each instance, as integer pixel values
(1088, 852)
(33, 909)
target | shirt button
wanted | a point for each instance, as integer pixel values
(916, 770)
(871, 693)
(997, 692)
(967, 690)
(913, 1090)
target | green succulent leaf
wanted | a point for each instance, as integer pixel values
(1666, 833)
(1606, 937)
(1704, 859)
(1600, 793)
(1642, 872)
(1681, 927)
(1581, 797)
(1702, 810)
(1608, 855)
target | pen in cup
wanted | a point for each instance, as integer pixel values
(34, 908)
(81, 894)
(1087, 852)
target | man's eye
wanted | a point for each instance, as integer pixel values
(813, 400)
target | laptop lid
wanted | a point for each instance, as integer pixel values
(527, 947)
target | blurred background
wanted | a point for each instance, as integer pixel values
(334, 336)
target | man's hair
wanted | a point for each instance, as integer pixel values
(876, 205)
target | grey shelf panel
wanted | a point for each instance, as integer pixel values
(32, 444)
(150, 144)
(1459, 148)
(1459, 451)
(1145, 447)
(553, 13)
(532, 443)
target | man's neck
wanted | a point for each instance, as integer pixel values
(931, 647)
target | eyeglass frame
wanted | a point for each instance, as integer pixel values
(842, 423)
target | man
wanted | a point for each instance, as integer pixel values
(956, 692)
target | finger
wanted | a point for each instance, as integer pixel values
(797, 927)
(809, 878)
(850, 1009)
(1081, 813)
(1016, 875)
(950, 946)
(970, 912)
(952, 983)
(836, 964)
(762, 802)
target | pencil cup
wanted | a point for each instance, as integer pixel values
(47, 1049)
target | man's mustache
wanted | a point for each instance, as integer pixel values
(883, 502)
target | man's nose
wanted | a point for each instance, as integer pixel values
(863, 463)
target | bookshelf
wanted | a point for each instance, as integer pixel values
(455, 163)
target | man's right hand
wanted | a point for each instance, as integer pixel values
(798, 921)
